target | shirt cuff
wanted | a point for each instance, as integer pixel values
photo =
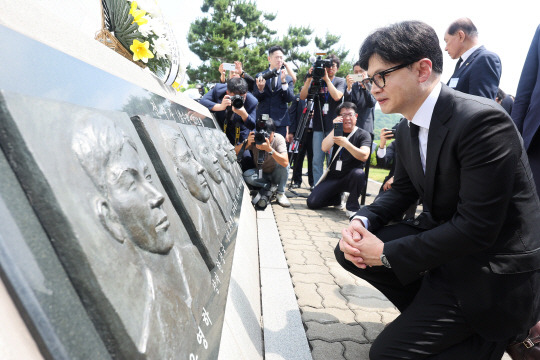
(381, 152)
(285, 86)
(363, 219)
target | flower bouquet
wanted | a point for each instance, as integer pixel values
(137, 30)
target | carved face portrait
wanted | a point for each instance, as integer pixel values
(130, 207)
(208, 159)
(137, 202)
(188, 170)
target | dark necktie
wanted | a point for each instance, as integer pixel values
(458, 64)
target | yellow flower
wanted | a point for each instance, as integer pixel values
(137, 14)
(140, 51)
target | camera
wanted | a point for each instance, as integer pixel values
(272, 73)
(319, 65)
(237, 101)
(261, 132)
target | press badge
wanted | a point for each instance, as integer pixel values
(338, 165)
(325, 109)
(453, 82)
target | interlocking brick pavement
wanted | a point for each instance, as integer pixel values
(341, 313)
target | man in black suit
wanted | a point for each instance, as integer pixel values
(478, 71)
(361, 96)
(275, 93)
(464, 272)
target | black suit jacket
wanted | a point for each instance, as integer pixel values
(365, 102)
(274, 100)
(479, 75)
(483, 216)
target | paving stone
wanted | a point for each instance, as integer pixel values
(312, 278)
(369, 304)
(362, 292)
(295, 257)
(323, 350)
(332, 297)
(355, 351)
(314, 260)
(388, 317)
(307, 295)
(342, 276)
(309, 269)
(363, 316)
(373, 329)
(335, 332)
(328, 315)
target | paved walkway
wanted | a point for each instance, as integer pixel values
(342, 314)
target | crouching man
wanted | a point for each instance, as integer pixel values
(350, 151)
(270, 158)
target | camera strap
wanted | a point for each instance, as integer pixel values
(240, 154)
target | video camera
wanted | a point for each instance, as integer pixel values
(272, 73)
(319, 65)
(261, 131)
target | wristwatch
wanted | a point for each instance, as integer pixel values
(271, 152)
(385, 261)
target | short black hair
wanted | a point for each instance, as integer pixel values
(334, 59)
(274, 49)
(346, 105)
(357, 64)
(464, 24)
(401, 43)
(237, 86)
(500, 94)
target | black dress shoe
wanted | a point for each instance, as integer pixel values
(295, 186)
(528, 349)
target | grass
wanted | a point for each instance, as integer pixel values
(374, 173)
(378, 174)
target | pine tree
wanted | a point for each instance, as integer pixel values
(232, 30)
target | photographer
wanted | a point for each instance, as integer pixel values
(326, 101)
(274, 90)
(350, 151)
(270, 156)
(233, 107)
(361, 96)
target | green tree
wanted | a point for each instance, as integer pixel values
(231, 30)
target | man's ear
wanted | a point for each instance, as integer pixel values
(109, 220)
(424, 70)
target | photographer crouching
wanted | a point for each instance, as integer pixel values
(271, 160)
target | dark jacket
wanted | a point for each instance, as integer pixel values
(215, 96)
(365, 102)
(480, 74)
(275, 101)
(480, 211)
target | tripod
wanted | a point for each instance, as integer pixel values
(300, 134)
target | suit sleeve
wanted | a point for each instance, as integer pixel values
(485, 76)
(527, 82)
(209, 99)
(482, 205)
(252, 112)
(292, 115)
(288, 95)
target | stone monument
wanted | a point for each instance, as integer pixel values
(99, 255)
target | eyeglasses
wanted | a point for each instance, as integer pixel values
(379, 79)
(347, 115)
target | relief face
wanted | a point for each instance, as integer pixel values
(130, 207)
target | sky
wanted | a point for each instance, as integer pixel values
(504, 27)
